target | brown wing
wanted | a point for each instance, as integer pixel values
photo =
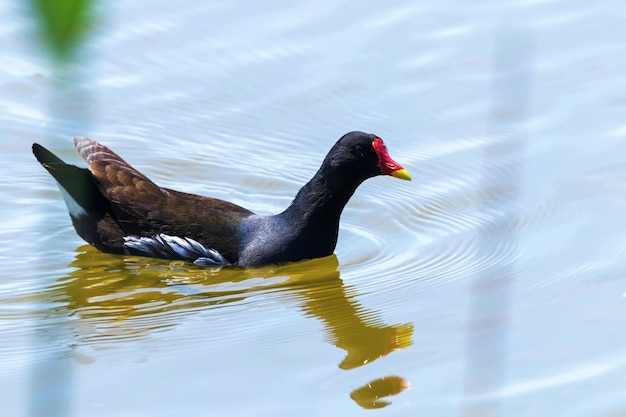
(143, 208)
(118, 180)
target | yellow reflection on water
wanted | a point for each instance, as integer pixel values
(118, 297)
(368, 396)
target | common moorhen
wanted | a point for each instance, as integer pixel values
(117, 209)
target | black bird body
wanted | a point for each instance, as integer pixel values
(117, 209)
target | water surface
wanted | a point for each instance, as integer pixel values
(493, 284)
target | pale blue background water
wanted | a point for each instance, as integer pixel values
(511, 117)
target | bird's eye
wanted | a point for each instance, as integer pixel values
(358, 150)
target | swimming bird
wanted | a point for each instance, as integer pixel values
(117, 209)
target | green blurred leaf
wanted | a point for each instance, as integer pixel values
(63, 24)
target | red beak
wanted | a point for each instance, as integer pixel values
(387, 165)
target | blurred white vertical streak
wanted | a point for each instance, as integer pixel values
(491, 290)
(52, 386)
(61, 27)
(52, 373)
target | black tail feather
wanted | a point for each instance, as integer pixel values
(77, 182)
(44, 156)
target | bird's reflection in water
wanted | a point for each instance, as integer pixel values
(117, 298)
(369, 394)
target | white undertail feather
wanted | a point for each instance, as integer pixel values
(186, 248)
(75, 209)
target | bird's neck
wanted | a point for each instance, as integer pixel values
(320, 202)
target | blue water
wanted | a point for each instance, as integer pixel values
(493, 284)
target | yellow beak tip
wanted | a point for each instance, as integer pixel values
(403, 174)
